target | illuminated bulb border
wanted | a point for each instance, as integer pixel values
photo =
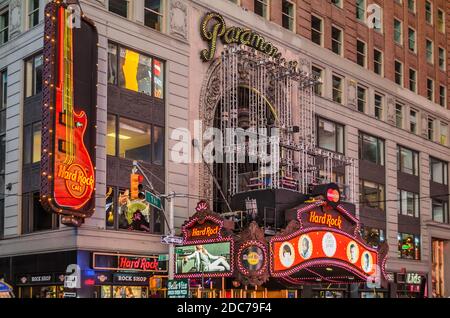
(245, 271)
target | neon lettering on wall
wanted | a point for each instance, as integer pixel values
(325, 219)
(207, 231)
(68, 124)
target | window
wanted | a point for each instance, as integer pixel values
(32, 143)
(430, 55)
(361, 53)
(361, 10)
(408, 203)
(130, 215)
(371, 149)
(3, 101)
(408, 246)
(428, 12)
(135, 71)
(378, 106)
(33, 13)
(430, 129)
(153, 14)
(371, 195)
(362, 99)
(337, 3)
(442, 59)
(318, 74)
(262, 8)
(440, 211)
(412, 80)
(413, 121)
(336, 40)
(288, 15)
(398, 66)
(441, 21)
(399, 115)
(443, 134)
(4, 26)
(442, 95)
(316, 30)
(35, 218)
(438, 171)
(407, 161)
(373, 236)
(134, 140)
(330, 135)
(398, 32)
(412, 5)
(378, 62)
(430, 89)
(337, 89)
(119, 7)
(33, 75)
(412, 39)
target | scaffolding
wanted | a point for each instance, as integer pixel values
(280, 113)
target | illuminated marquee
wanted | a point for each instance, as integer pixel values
(213, 28)
(69, 113)
(324, 237)
(204, 233)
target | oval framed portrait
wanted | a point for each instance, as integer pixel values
(329, 244)
(286, 254)
(352, 252)
(366, 262)
(305, 246)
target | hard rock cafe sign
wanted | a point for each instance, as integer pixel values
(69, 114)
(213, 28)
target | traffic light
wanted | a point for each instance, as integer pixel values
(135, 185)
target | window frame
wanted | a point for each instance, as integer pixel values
(380, 203)
(413, 9)
(377, 106)
(410, 81)
(265, 3)
(381, 63)
(380, 157)
(336, 139)
(359, 101)
(29, 13)
(429, 55)
(358, 53)
(442, 97)
(152, 126)
(400, 42)
(33, 81)
(339, 42)
(318, 86)
(334, 89)
(402, 117)
(359, 10)
(129, 9)
(415, 122)
(320, 32)
(3, 11)
(442, 58)
(445, 210)
(441, 22)
(414, 237)
(415, 161)
(152, 57)
(430, 128)
(402, 200)
(428, 13)
(293, 18)
(444, 170)
(161, 15)
(430, 90)
(412, 31)
(398, 76)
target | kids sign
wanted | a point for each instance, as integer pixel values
(68, 113)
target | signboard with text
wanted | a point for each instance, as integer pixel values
(68, 114)
(178, 288)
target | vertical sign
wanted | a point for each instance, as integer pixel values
(68, 113)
